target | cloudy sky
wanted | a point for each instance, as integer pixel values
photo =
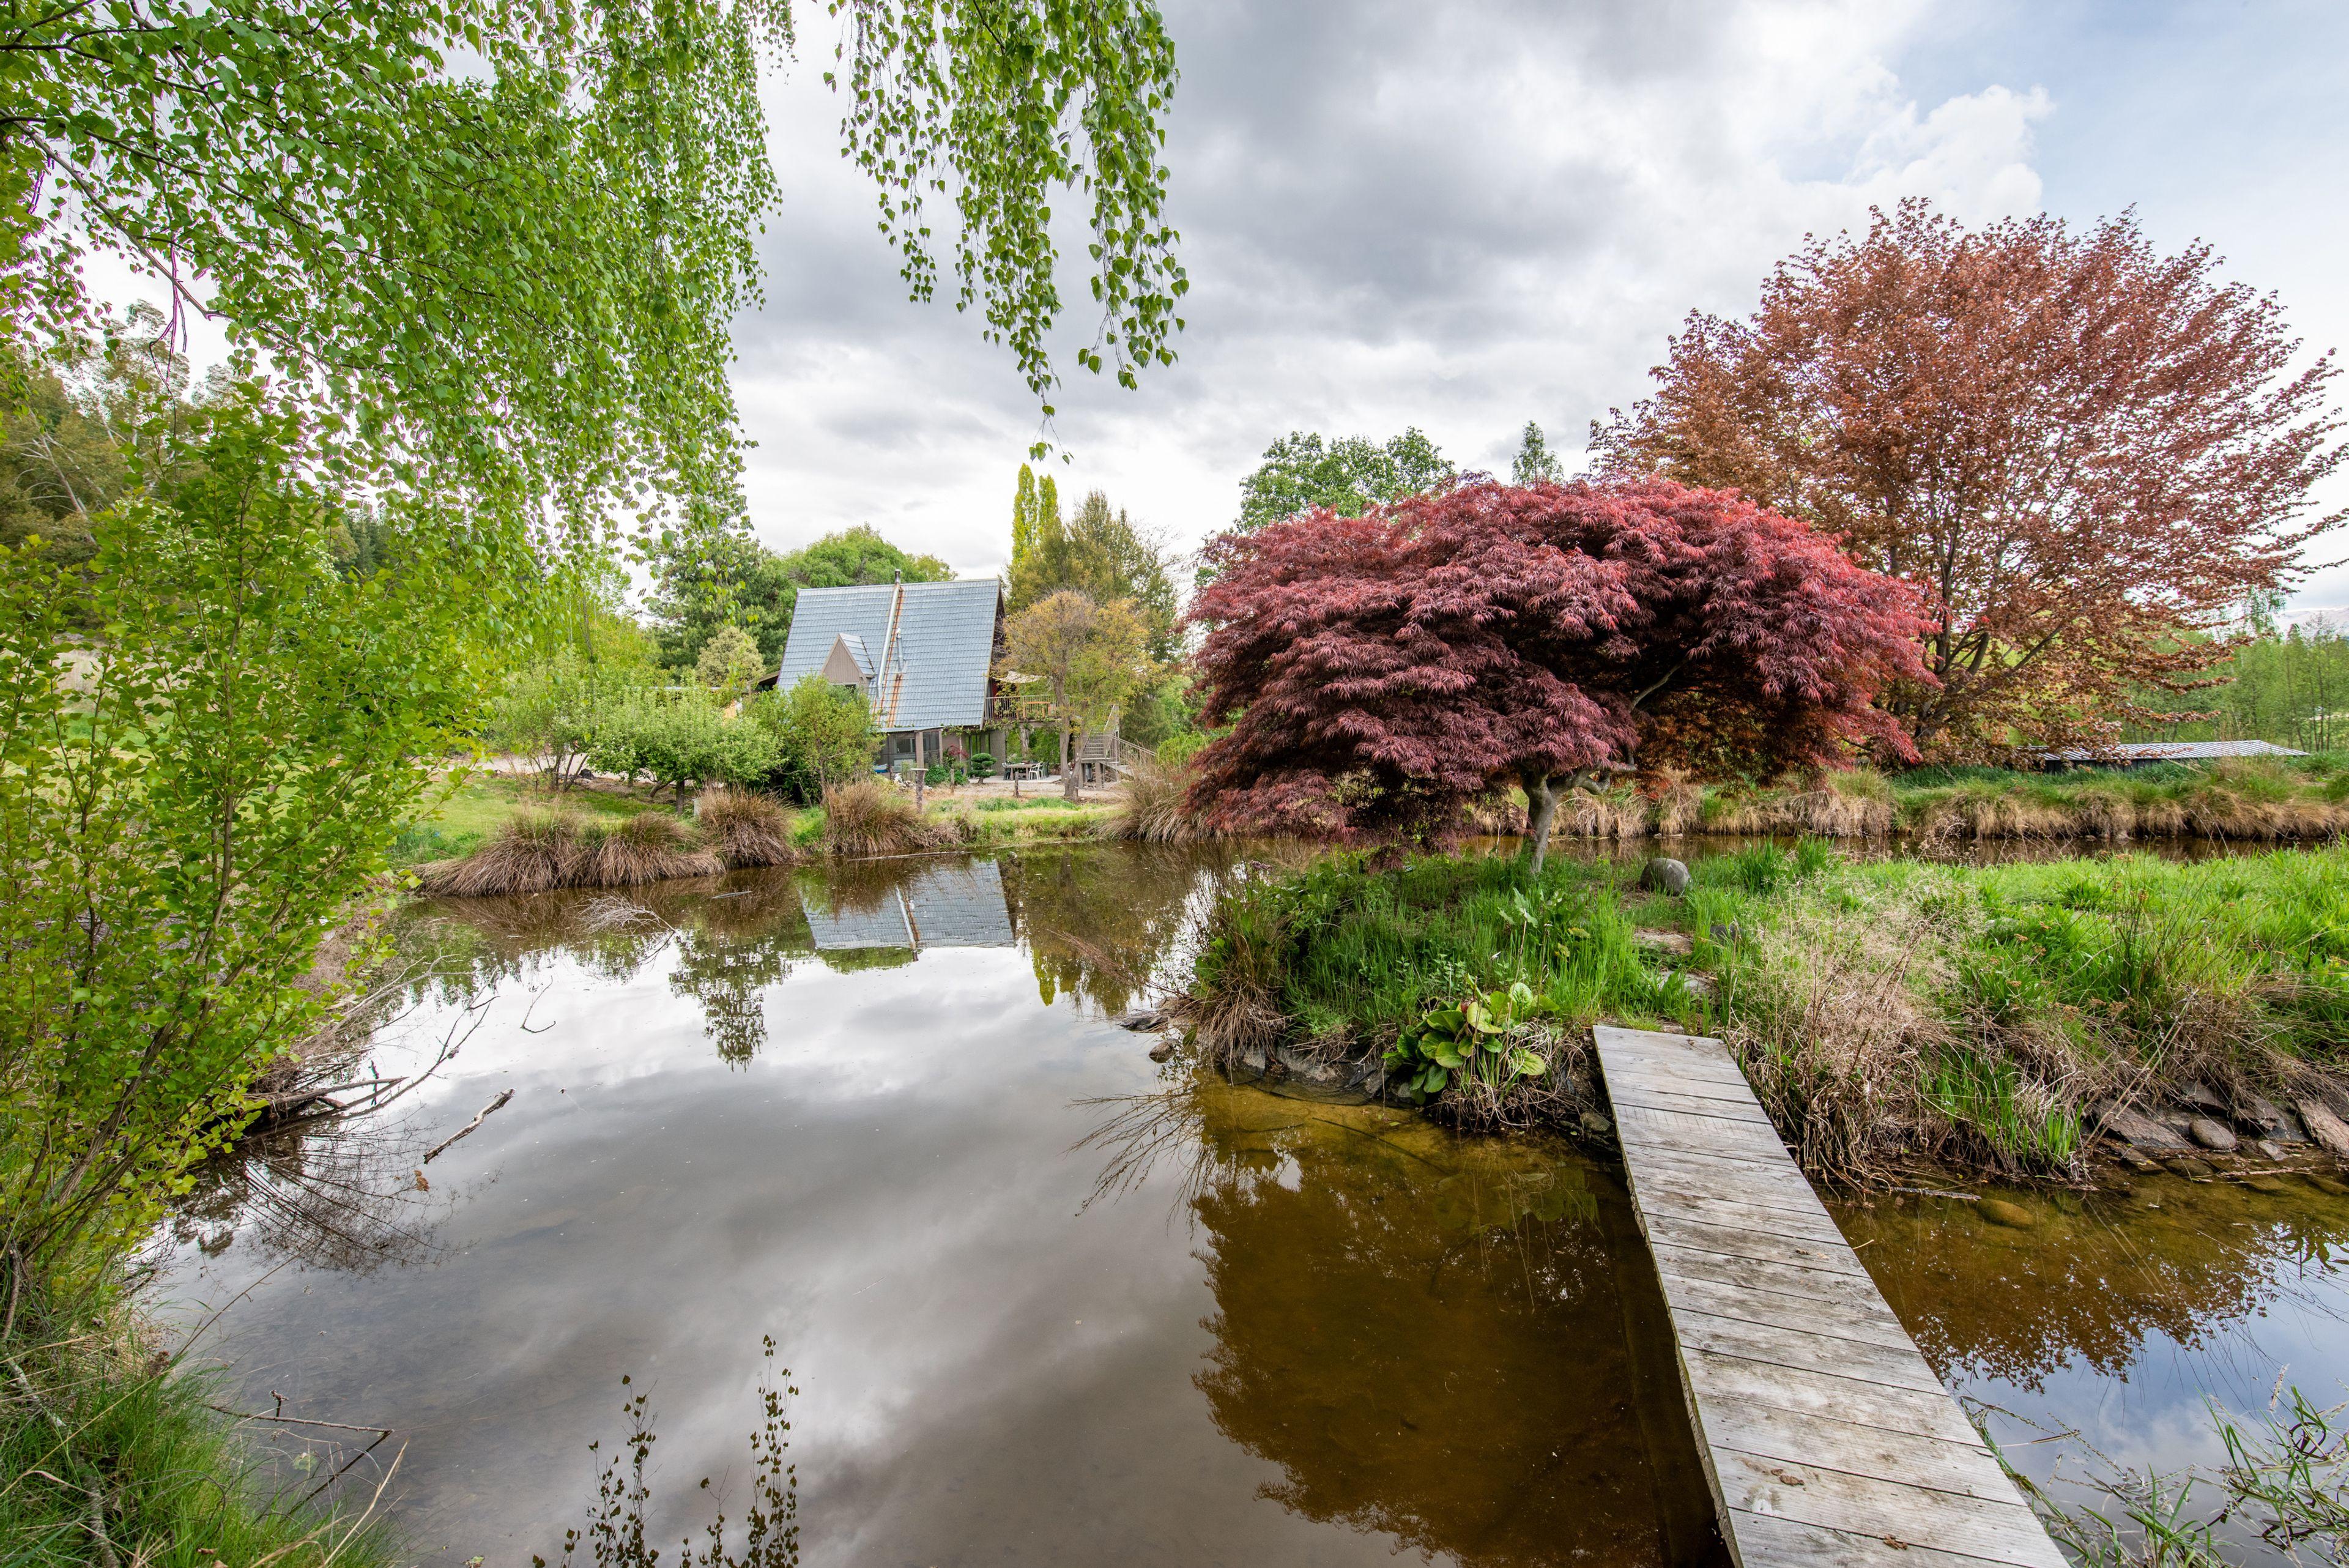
(1465, 217)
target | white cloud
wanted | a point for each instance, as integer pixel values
(1459, 217)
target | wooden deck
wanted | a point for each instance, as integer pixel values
(1825, 1437)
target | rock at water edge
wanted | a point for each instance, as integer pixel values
(1999, 1211)
(2138, 1128)
(2325, 1127)
(1163, 1049)
(2211, 1135)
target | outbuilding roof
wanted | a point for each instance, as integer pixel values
(929, 650)
(2133, 753)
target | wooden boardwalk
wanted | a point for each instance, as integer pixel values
(1824, 1436)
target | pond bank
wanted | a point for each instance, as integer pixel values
(2017, 1020)
(2294, 800)
(520, 840)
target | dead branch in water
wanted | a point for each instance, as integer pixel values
(479, 1118)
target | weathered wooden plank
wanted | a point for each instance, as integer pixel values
(1897, 1367)
(1934, 1415)
(1765, 1541)
(1759, 1429)
(1674, 1262)
(1720, 1076)
(1997, 1532)
(1828, 1257)
(1829, 1440)
(1643, 1124)
(1854, 1317)
(1649, 1097)
(1678, 1198)
(1748, 1181)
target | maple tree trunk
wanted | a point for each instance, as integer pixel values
(1541, 810)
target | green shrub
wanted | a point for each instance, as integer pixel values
(682, 740)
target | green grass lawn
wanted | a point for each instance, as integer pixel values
(485, 802)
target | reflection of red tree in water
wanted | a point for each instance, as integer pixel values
(1439, 1357)
(2092, 1280)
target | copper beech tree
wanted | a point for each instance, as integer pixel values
(2080, 448)
(1378, 673)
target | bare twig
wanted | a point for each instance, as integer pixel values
(479, 1118)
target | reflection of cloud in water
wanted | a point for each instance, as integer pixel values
(943, 904)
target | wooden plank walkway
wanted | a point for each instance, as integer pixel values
(1826, 1439)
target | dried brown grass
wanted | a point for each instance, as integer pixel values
(542, 851)
(1678, 804)
(1620, 813)
(1853, 804)
(1828, 1024)
(868, 817)
(536, 852)
(1150, 808)
(650, 846)
(746, 829)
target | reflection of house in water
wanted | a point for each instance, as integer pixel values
(939, 906)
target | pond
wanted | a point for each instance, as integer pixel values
(1044, 1301)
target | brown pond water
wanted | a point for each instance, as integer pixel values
(1046, 1303)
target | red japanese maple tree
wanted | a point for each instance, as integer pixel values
(1380, 672)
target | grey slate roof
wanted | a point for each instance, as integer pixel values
(933, 674)
(2132, 753)
(937, 907)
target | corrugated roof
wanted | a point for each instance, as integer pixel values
(2177, 752)
(936, 672)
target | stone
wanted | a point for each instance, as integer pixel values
(2261, 1115)
(2270, 1148)
(2201, 1096)
(1999, 1211)
(1695, 984)
(1162, 1048)
(1675, 942)
(2137, 1128)
(1664, 874)
(2192, 1168)
(1310, 1069)
(2263, 1184)
(2325, 1127)
(2324, 1184)
(1146, 1017)
(1253, 1059)
(2211, 1134)
(1723, 936)
(1596, 1125)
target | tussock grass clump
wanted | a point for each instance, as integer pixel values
(1149, 807)
(536, 851)
(867, 817)
(541, 851)
(650, 846)
(747, 829)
